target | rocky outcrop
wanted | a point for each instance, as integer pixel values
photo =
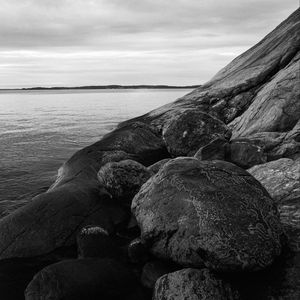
(192, 284)
(192, 212)
(123, 179)
(208, 212)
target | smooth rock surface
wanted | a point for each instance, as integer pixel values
(212, 212)
(80, 279)
(192, 130)
(123, 179)
(192, 284)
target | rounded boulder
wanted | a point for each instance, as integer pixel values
(123, 179)
(192, 130)
(208, 212)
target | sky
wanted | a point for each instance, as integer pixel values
(98, 42)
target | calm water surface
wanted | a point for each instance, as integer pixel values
(39, 130)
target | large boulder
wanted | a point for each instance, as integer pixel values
(192, 130)
(192, 284)
(212, 212)
(123, 179)
(82, 279)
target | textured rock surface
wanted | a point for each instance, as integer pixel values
(195, 211)
(123, 179)
(156, 167)
(245, 153)
(281, 178)
(82, 279)
(192, 284)
(192, 130)
(215, 150)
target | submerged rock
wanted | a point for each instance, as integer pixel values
(192, 284)
(192, 130)
(123, 179)
(208, 212)
(83, 279)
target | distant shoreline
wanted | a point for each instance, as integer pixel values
(104, 87)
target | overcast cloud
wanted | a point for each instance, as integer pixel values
(82, 42)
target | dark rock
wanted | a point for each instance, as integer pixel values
(192, 130)
(137, 251)
(52, 220)
(95, 241)
(80, 279)
(123, 179)
(212, 212)
(215, 150)
(158, 165)
(152, 271)
(246, 154)
(192, 284)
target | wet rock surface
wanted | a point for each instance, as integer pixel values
(214, 213)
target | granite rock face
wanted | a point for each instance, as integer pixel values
(123, 179)
(192, 130)
(158, 165)
(192, 284)
(281, 178)
(208, 212)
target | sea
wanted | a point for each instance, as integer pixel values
(39, 130)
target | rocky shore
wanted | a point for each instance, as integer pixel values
(198, 199)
